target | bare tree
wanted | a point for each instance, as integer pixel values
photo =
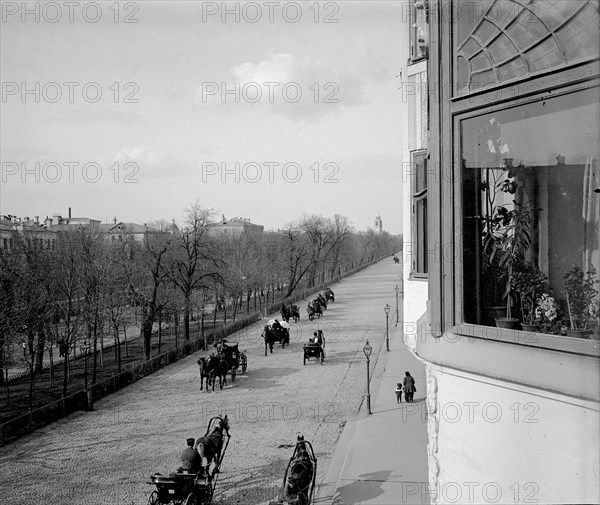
(194, 262)
(147, 276)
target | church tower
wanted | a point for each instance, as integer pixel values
(378, 224)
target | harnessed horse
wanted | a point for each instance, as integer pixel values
(296, 490)
(204, 372)
(218, 367)
(209, 446)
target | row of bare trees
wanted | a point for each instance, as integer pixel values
(89, 283)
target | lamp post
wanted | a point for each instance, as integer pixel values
(24, 346)
(367, 349)
(85, 348)
(387, 327)
(397, 313)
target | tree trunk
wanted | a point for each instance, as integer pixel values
(159, 330)
(147, 335)
(39, 355)
(186, 321)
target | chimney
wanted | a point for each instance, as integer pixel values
(223, 218)
(47, 222)
(69, 212)
(56, 219)
(37, 219)
(115, 220)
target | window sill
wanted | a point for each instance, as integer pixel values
(551, 363)
(559, 343)
(418, 277)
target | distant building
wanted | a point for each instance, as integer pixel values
(11, 225)
(235, 227)
(378, 224)
(137, 231)
(49, 230)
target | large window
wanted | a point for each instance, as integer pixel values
(419, 213)
(531, 214)
(419, 29)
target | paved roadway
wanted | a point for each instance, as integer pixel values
(107, 456)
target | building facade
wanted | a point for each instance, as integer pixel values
(502, 198)
(235, 227)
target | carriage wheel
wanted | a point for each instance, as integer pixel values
(153, 500)
(244, 364)
(191, 500)
(233, 372)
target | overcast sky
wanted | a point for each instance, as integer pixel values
(129, 119)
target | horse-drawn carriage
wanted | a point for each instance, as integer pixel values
(276, 331)
(315, 348)
(314, 309)
(290, 312)
(236, 359)
(300, 475)
(195, 488)
(329, 295)
(228, 359)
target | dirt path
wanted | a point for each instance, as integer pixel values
(107, 456)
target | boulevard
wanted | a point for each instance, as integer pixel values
(107, 456)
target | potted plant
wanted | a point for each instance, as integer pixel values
(529, 283)
(582, 301)
(546, 314)
(506, 244)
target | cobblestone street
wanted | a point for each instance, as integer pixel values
(107, 456)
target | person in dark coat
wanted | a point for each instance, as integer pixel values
(190, 459)
(409, 387)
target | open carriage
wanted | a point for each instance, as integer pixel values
(315, 348)
(274, 332)
(300, 475)
(187, 488)
(237, 361)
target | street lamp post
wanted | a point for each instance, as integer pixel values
(367, 349)
(387, 327)
(397, 313)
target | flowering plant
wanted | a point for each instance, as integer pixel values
(546, 311)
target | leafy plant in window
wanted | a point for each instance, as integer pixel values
(582, 300)
(530, 284)
(507, 243)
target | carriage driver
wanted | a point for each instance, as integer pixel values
(277, 325)
(191, 461)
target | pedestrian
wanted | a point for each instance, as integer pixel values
(398, 393)
(409, 387)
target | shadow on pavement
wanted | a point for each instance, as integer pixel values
(367, 487)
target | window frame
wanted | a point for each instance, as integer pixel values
(415, 54)
(416, 197)
(445, 305)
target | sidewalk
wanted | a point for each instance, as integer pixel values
(381, 459)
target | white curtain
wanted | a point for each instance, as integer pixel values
(591, 213)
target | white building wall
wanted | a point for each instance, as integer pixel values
(414, 95)
(500, 442)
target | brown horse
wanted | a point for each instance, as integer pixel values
(204, 372)
(217, 366)
(300, 476)
(209, 446)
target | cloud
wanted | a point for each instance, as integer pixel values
(299, 88)
(155, 162)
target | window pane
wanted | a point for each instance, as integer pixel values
(531, 205)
